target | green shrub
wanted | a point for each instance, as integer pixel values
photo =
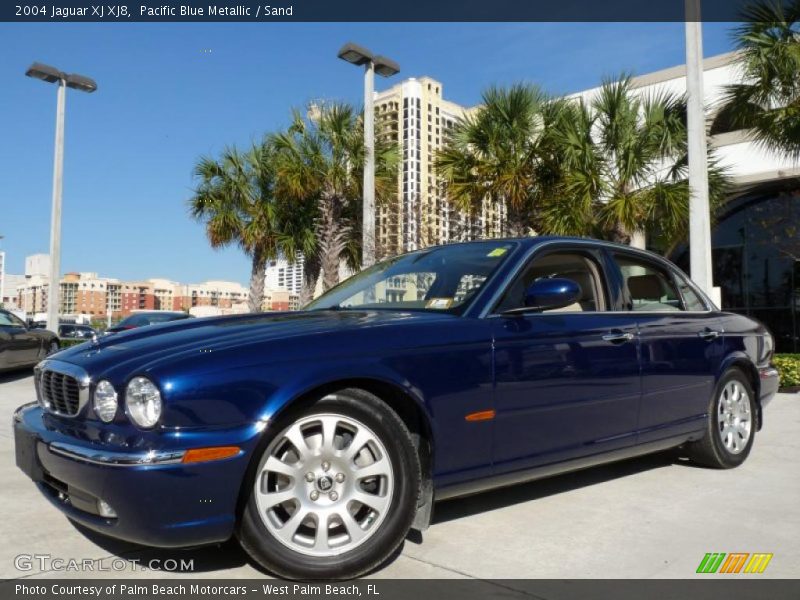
(788, 366)
(66, 343)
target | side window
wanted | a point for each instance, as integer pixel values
(11, 320)
(566, 265)
(650, 287)
(690, 298)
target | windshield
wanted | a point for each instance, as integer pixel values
(441, 279)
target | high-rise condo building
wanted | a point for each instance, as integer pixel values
(415, 116)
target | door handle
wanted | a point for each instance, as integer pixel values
(617, 337)
(708, 334)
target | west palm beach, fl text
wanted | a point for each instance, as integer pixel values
(157, 589)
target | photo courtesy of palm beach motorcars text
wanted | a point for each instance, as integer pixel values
(160, 590)
(343, 299)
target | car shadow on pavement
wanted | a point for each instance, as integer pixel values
(15, 375)
(458, 508)
(203, 559)
(229, 555)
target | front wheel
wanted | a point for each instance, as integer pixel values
(335, 490)
(730, 430)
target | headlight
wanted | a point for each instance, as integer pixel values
(105, 401)
(143, 402)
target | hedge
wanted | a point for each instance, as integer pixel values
(788, 366)
(67, 342)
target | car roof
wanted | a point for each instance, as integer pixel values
(532, 241)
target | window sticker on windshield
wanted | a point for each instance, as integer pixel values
(497, 252)
(439, 303)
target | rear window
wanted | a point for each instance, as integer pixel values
(650, 288)
(165, 318)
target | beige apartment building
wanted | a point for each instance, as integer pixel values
(222, 294)
(89, 294)
(414, 115)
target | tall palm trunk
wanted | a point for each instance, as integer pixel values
(618, 233)
(517, 221)
(258, 273)
(311, 270)
(516, 226)
(331, 240)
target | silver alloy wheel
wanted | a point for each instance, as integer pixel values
(324, 485)
(734, 419)
(53, 348)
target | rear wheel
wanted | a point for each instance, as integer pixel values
(730, 430)
(335, 489)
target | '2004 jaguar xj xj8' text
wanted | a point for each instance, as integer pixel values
(319, 437)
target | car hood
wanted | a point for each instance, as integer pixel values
(142, 347)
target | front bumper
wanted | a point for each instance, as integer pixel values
(158, 500)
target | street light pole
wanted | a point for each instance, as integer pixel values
(82, 83)
(699, 211)
(385, 67)
(368, 210)
(2, 275)
(54, 290)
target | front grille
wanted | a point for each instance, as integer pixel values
(60, 392)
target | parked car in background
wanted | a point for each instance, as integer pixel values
(142, 319)
(74, 331)
(319, 437)
(21, 345)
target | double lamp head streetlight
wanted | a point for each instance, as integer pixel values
(53, 75)
(358, 55)
(385, 67)
(82, 83)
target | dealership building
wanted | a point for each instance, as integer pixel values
(755, 238)
(756, 234)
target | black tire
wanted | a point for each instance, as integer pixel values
(284, 562)
(710, 451)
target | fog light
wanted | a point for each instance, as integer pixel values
(105, 510)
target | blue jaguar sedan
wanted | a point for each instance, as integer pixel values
(319, 437)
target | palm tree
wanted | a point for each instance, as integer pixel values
(608, 167)
(767, 100)
(622, 166)
(496, 153)
(235, 199)
(320, 160)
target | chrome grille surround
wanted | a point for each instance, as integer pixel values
(61, 387)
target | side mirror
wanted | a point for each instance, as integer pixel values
(549, 294)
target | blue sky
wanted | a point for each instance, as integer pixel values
(169, 93)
